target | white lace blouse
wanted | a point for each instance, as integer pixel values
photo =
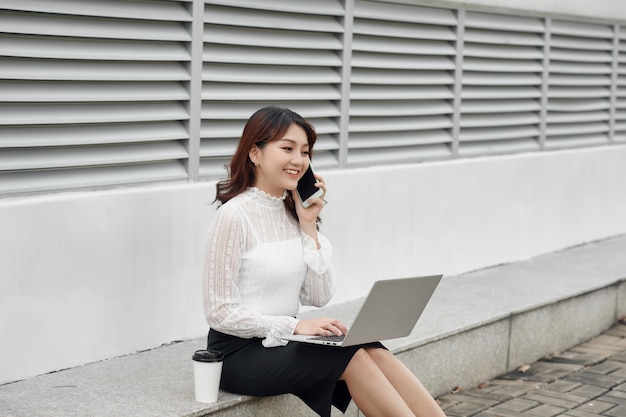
(260, 266)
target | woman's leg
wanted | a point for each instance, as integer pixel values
(371, 390)
(406, 384)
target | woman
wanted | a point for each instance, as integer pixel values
(265, 257)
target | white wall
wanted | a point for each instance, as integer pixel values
(91, 275)
(612, 10)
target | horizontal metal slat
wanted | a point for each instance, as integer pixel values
(570, 141)
(324, 126)
(501, 65)
(50, 69)
(504, 79)
(580, 29)
(88, 178)
(326, 160)
(268, 74)
(491, 120)
(271, 38)
(402, 30)
(400, 77)
(60, 113)
(501, 92)
(393, 124)
(503, 37)
(401, 61)
(153, 10)
(397, 155)
(482, 50)
(242, 110)
(79, 48)
(259, 92)
(577, 105)
(578, 92)
(370, 92)
(498, 133)
(213, 167)
(378, 140)
(507, 146)
(578, 68)
(578, 117)
(325, 142)
(578, 55)
(331, 7)
(256, 18)
(59, 92)
(400, 108)
(270, 56)
(578, 80)
(65, 135)
(401, 46)
(559, 129)
(218, 147)
(91, 27)
(499, 106)
(76, 156)
(502, 22)
(404, 13)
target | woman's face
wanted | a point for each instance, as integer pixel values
(281, 162)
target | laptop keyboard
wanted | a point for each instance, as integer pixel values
(333, 338)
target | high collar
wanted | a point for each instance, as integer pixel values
(266, 199)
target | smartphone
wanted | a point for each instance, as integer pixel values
(306, 187)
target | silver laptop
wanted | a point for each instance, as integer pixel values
(390, 311)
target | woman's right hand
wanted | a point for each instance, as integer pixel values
(322, 326)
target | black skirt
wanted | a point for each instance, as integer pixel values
(308, 371)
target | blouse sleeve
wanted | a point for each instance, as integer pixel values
(319, 285)
(223, 309)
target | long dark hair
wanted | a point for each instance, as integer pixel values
(265, 125)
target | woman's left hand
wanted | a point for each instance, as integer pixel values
(310, 214)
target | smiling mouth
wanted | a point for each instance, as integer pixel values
(292, 171)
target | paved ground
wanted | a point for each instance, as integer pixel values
(588, 380)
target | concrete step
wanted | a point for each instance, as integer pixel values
(477, 326)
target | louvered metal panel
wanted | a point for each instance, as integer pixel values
(620, 88)
(257, 54)
(579, 84)
(103, 93)
(90, 89)
(401, 83)
(501, 84)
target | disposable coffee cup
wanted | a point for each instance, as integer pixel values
(207, 371)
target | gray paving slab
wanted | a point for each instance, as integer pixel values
(593, 390)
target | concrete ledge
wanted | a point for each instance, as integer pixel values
(478, 325)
